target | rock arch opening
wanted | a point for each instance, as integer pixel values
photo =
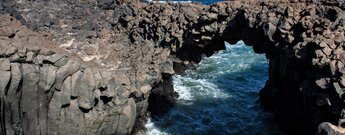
(212, 95)
(297, 39)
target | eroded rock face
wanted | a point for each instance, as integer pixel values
(302, 40)
(56, 93)
(95, 63)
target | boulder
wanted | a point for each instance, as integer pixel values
(127, 118)
(75, 80)
(5, 75)
(66, 91)
(11, 50)
(209, 17)
(51, 77)
(327, 128)
(86, 97)
(5, 64)
(110, 92)
(145, 89)
(61, 74)
(30, 56)
(167, 67)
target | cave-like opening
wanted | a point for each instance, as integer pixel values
(219, 96)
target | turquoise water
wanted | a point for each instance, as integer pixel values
(219, 97)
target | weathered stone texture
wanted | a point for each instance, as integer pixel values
(93, 66)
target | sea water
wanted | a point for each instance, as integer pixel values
(219, 97)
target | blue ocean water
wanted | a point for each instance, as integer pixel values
(219, 97)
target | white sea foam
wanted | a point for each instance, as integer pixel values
(204, 90)
(152, 129)
(209, 89)
(183, 91)
(188, 88)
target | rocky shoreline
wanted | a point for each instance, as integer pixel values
(102, 64)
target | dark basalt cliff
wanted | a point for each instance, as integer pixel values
(97, 66)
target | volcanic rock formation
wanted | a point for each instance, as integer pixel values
(97, 66)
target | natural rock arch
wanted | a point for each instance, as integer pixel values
(303, 43)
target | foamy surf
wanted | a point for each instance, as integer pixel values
(186, 87)
(218, 97)
(184, 92)
(152, 129)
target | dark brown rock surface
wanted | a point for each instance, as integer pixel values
(90, 66)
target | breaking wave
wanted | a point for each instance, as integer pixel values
(219, 97)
